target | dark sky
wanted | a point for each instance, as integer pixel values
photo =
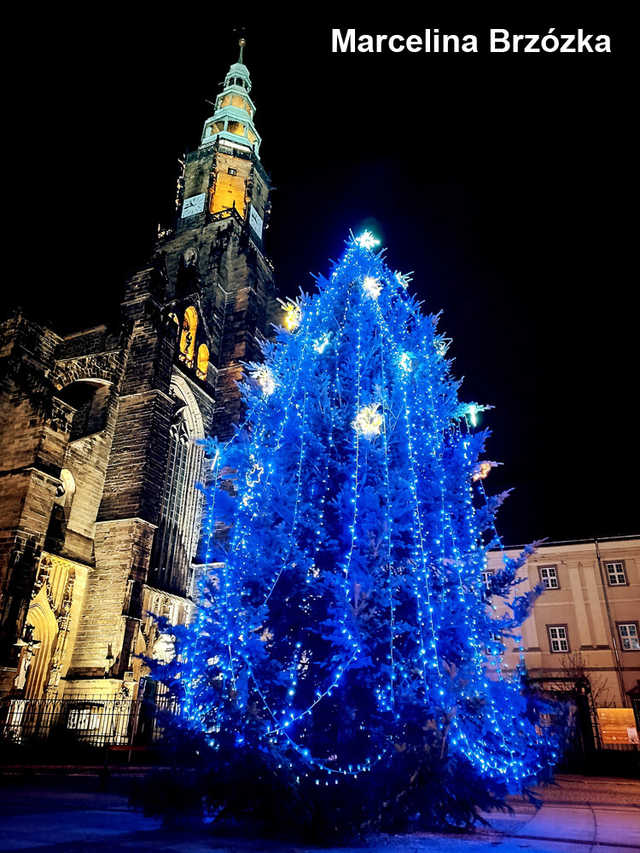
(504, 182)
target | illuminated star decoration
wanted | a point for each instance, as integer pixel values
(366, 240)
(481, 470)
(368, 422)
(470, 412)
(254, 474)
(292, 315)
(263, 375)
(372, 286)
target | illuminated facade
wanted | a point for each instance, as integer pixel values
(585, 625)
(99, 515)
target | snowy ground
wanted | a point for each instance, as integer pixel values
(72, 814)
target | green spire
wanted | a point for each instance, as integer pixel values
(232, 121)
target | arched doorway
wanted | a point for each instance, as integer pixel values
(44, 639)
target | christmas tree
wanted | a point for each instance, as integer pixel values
(345, 643)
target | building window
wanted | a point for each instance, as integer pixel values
(232, 171)
(486, 578)
(188, 336)
(616, 575)
(176, 538)
(203, 361)
(549, 577)
(629, 639)
(558, 638)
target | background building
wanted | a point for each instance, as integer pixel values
(99, 514)
(584, 631)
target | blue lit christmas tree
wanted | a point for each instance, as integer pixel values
(345, 638)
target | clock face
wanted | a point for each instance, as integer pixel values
(193, 205)
(255, 221)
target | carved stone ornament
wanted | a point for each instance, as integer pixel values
(190, 257)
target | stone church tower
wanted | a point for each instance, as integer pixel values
(99, 517)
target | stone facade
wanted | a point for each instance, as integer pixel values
(99, 430)
(585, 624)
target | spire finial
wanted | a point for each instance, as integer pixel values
(241, 44)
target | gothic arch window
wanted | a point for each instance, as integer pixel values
(188, 336)
(203, 361)
(176, 538)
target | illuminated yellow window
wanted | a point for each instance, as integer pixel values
(203, 361)
(238, 101)
(251, 135)
(188, 336)
(226, 101)
(236, 127)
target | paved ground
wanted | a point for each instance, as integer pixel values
(72, 814)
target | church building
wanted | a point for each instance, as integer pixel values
(99, 430)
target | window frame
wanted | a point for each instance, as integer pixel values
(565, 628)
(487, 574)
(622, 563)
(633, 622)
(553, 566)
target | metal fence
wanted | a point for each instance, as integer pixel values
(90, 721)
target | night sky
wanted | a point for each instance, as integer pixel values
(503, 182)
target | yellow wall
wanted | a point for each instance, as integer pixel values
(228, 191)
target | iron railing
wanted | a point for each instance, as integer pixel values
(90, 721)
